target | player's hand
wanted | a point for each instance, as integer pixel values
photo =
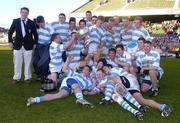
(101, 86)
(117, 61)
(34, 46)
(70, 58)
(142, 70)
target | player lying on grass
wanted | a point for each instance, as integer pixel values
(107, 87)
(126, 85)
(73, 83)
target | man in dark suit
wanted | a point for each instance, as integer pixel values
(22, 44)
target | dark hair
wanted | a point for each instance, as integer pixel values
(126, 18)
(24, 8)
(62, 14)
(142, 39)
(101, 18)
(111, 20)
(112, 49)
(108, 65)
(148, 42)
(73, 32)
(72, 19)
(40, 19)
(53, 36)
(82, 20)
(103, 60)
(139, 18)
(90, 69)
(119, 46)
(94, 16)
(100, 69)
(37, 26)
(88, 12)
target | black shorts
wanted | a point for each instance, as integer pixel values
(133, 91)
(147, 82)
(146, 72)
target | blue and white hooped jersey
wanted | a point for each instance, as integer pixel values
(125, 58)
(111, 62)
(126, 36)
(97, 35)
(117, 29)
(62, 29)
(75, 52)
(138, 53)
(110, 42)
(84, 82)
(150, 59)
(88, 23)
(44, 34)
(140, 32)
(55, 52)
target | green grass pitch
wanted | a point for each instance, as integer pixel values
(13, 101)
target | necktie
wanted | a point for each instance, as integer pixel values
(25, 27)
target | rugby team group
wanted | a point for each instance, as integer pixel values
(100, 55)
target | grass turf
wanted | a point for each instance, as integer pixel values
(13, 101)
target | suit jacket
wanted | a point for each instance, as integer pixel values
(28, 40)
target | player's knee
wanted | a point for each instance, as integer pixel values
(75, 86)
(119, 89)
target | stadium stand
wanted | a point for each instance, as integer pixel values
(129, 8)
(142, 4)
(88, 6)
(112, 5)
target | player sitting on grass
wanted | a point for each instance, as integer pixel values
(149, 64)
(73, 83)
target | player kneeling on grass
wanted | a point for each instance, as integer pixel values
(130, 83)
(73, 83)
